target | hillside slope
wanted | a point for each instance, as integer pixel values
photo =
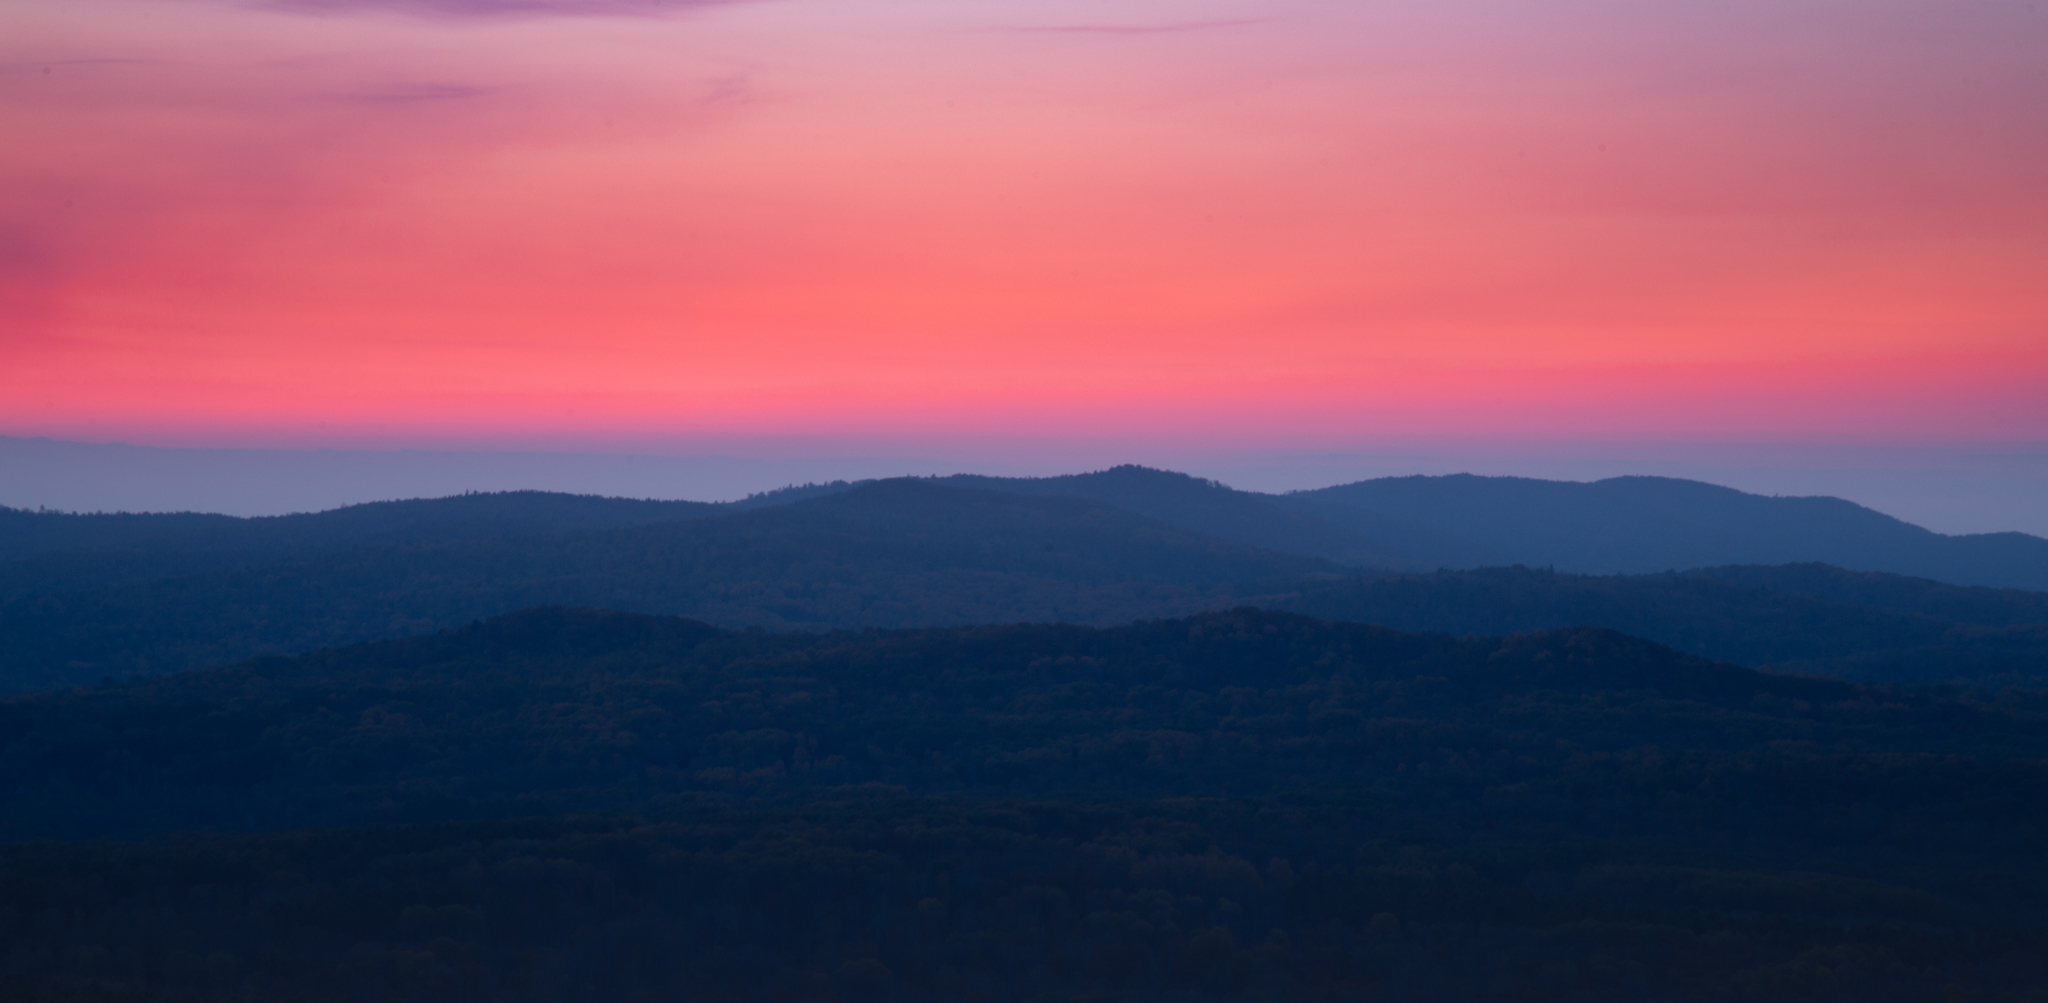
(1238, 806)
(1648, 524)
(458, 724)
(884, 554)
(1976, 604)
(42, 551)
(25, 534)
(1208, 507)
(1983, 640)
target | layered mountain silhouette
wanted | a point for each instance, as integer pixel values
(84, 597)
(883, 554)
(1624, 525)
(1135, 794)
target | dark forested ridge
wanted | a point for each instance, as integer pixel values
(884, 554)
(26, 534)
(1621, 525)
(1242, 805)
(1101, 548)
(466, 719)
(1990, 607)
(45, 551)
(1805, 618)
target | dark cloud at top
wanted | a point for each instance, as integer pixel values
(495, 8)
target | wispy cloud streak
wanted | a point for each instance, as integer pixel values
(495, 8)
(1160, 28)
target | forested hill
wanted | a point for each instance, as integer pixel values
(1991, 607)
(43, 550)
(1649, 524)
(916, 553)
(1241, 516)
(885, 554)
(1621, 525)
(579, 709)
(25, 533)
(153, 594)
(49, 551)
(1242, 805)
(1805, 618)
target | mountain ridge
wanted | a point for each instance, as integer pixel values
(1646, 524)
(1119, 544)
(887, 553)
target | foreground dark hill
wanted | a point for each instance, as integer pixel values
(885, 554)
(1804, 618)
(1241, 805)
(577, 709)
(1647, 524)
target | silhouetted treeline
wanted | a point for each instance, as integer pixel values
(559, 710)
(1243, 805)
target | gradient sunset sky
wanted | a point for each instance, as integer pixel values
(664, 225)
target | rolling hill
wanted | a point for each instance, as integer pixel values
(1242, 805)
(1648, 524)
(1755, 616)
(86, 597)
(884, 554)
(1208, 507)
(1624, 525)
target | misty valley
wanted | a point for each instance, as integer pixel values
(1119, 736)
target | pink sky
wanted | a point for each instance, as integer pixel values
(1288, 224)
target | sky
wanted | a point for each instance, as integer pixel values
(1028, 233)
